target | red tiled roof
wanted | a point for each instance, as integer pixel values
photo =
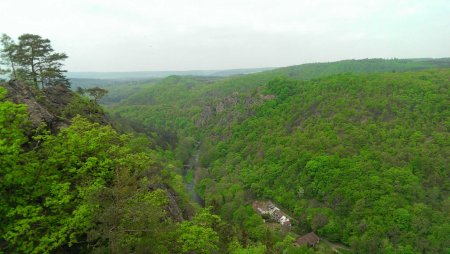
(308, 239)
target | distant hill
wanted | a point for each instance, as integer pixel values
(250, 77)
(314, 70)
(160, 74)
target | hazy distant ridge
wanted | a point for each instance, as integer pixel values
(162, 74)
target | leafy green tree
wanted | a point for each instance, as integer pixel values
(48, 208)
(12, 137)
(199, 235)
(83, 185)
(198, 239)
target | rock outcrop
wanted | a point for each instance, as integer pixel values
(35, 101)
(48, 106)
(226, 107)
(173, 208)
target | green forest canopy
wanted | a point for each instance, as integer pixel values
(356, 151)
(368, 151)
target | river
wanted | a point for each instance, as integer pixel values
(190, 177)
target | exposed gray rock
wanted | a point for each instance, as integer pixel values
(57, 98)
(173, 208)
(23, 94)
(48, 106)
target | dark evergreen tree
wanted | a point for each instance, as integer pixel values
(96, 93)
(38, 63)
(6, 55)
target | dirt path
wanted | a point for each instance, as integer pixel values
(335, 246)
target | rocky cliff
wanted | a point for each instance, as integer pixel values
(53, 106)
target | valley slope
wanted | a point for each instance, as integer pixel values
(356, 150)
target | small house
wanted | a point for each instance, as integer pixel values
(310, 239)
(269, 209)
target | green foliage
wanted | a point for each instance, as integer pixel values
(281, 88)
(198, 235)
(12, 137)
(197, 106)
(314, 70)
(87, 183)
(12, 125)
(48, 207)
(351, 156)
(356, 147)
(85, 107)
(360, 159)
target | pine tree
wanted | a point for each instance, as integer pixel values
(96, 92)
(38, 64)
(7, 54)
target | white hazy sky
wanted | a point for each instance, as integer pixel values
(151, 35)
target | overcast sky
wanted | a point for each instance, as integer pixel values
(150, 35)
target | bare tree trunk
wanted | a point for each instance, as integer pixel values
(33, 71)
(34, 74)
(12, 66)
(42, 79)
(14, 70)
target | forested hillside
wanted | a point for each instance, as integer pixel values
(179, 102)
(360, 159)
(356, 151)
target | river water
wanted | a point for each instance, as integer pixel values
(194, 166)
